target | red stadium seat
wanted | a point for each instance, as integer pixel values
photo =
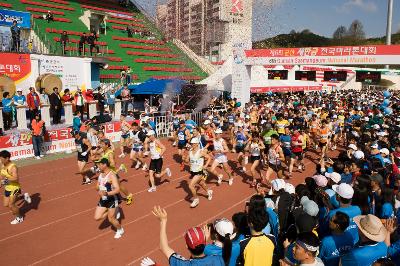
(178, 77)
(152, 48)
(124, 28)
(163, 62)
(58, 2)
(167, 69)
(28, 2)
(5, 5)
(32, 9)
(57, 39)
(114, 59)
(36, 16)
(105, 9)
(137, 40)
(152, 54)
(114, 67)
(127, 18)
(125, 23)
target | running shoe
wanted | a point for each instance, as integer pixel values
(87, 181)
(146, 153)
(144, 168)
(129, 199)
(194, 203)
(137, 165)
(230, 181)
(174, 144)
(122, 167)
(168, 172)
(210, 194)
(93, 169)
(152, 189)
(41, 155)
(27, 198)
(119, 233)
(220, 177)
(122, 155)
(205, 173)
(17, 220)
(38, 158)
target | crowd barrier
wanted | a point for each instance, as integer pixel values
(19, 143)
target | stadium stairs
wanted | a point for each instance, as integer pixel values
(147, 57)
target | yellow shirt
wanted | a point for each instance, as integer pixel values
(281, 124)
(12, 185)
(107, 155)
(257, 250)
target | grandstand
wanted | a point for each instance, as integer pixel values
(148, 55)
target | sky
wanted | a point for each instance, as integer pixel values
(272, 17)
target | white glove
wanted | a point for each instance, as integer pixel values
(84, 153)
(147, 262)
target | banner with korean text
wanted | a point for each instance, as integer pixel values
(335, 55)
(15, 66)
(19, 144)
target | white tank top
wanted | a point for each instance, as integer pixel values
(254, 149)
(218, 145)
(154, 151)
(196, 161)
(273, 156)
(94, 141)
(135, 139)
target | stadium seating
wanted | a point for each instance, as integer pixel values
(5, 5)
(147, 53)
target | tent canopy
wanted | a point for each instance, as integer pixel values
(158, 86)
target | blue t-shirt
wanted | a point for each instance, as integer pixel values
(213, 260)
(286, 144)
(394, 252)
(346, 178)
(190, 124)
(212, 249)
(289, 254)
(365, 255)
(76, 123)
(387, 211)
(6, 102)
(272, 227)
(351, 211)
(333, 247)
(20, 99)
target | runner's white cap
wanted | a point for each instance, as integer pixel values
(358, 155)
(384, 151)
(218, 131)
(352, 146)
(207, 122)
(344, 190)
(151, 133)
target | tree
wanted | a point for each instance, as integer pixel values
(356, 30)
(340, 33)
(292, 32)
(306, 31)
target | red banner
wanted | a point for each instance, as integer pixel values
(326, 51)
(284, 89)
(15, 66)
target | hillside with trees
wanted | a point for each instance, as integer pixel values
(352, 35)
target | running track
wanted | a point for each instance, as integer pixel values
(59, 228)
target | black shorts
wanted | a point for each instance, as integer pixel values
(7, 193)
(110, 203)
(210, 148)
(322, 144)
(125, 136)
(93, 148)
(255, 158)
(182, 145)
(275, 167)
(83, 158)
(239, 148)
(299, 155)
(156, 165)
(193, 174)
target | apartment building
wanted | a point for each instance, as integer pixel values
(208, 27)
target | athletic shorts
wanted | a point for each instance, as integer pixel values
(8, 193)
(125, 136)
(275, 167)
(210, 148)
(255, 158)
(287, 152)
(200, 173)
(83, 158)
(137, 149)
(322, 144)
(221, 158)
(156, 165)
(299, 155)
(110, 203)
(182, 145)
(239, 148)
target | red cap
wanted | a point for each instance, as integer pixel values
(195, 237)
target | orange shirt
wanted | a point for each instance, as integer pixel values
(37, 127)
